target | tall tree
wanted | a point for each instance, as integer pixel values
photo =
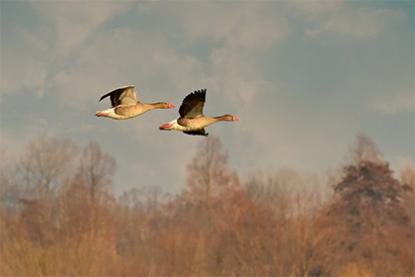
(209, 173)
(366, 222)
(96, 169)
(364, 149)
(46, 163)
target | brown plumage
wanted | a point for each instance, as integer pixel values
(125, 104)
(192, 121)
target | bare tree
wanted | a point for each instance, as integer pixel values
(96, 169)
(46, 163)
(209, 172)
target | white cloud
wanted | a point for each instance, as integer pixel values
(29, 58)
(23, 67)
(73, 21)
(396, 103)
(312, 9)
(125, 56)
(238, 38)
(357, 23)
(240, 34)
(243, 26)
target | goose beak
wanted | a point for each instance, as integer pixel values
(171, 106)
(99, 114)
(236, 118)
(166, 127)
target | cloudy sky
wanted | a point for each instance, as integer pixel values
(304, 77)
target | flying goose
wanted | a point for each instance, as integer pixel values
(191, 120)
(125, 104)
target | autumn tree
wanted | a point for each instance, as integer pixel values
(365, 224)
(96, 169)
(209, 173)
(67, 222)
(364, 149)
(408, 181)
(85, 200)
(188, 241)
(46, 163)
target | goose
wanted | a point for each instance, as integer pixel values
(125, 104)
(191, 120)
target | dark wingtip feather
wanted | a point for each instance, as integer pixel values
(104, 96)
(196, 94)
(201, 93)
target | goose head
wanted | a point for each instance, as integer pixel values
(228, 117)
(163, 105)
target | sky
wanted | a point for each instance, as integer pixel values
(304, 77)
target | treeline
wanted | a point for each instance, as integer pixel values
(58, 218)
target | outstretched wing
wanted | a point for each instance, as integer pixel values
(201, 132)
(192, 105)
(122, 96)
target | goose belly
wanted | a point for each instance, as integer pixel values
(123, 117)
(113, 114)
(194, 124)
(127, 112)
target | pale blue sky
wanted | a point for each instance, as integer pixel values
(304, 76)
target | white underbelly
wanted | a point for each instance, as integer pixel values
(123, 117)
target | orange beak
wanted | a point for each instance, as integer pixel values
(99, 114)
(171, 106)
(166, 127)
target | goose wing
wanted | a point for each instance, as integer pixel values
(122, 96)
(192, 105)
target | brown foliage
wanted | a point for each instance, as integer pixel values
(61, 220)
(366, 224)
